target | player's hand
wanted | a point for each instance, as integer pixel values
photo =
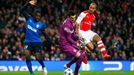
(33, 2)
(107, 57)
(76, 37)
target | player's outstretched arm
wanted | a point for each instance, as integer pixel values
(24, 11)
(76, 28)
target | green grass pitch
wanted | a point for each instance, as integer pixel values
(81, 73)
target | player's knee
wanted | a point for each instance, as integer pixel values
(96, 38)
(91, 47)
(80, 55)
(27, 54)
(27, 57)
(38, 55)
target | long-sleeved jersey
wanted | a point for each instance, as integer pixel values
(33, 28)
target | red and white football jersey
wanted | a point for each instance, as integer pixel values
(85, 20)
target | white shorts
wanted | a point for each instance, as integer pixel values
(86, 36)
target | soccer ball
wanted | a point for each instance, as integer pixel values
(68, 71)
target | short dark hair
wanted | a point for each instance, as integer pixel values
(37, 11)
(71, 13)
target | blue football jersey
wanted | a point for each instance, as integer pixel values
(33, 30)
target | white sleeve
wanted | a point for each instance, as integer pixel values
(80, 17)
(68, 30)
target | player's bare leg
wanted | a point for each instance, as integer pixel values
(90, 46)
(40, 60)
(102, 47)
(28, 61)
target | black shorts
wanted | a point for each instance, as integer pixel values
(33, 46)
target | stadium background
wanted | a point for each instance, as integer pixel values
(114, 23)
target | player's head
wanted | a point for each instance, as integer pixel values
(37, 15)
(72, 16)
(92, 7)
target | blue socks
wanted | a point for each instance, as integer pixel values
(29, 65)
(41, 62)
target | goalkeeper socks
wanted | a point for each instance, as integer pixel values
(72, 62)
(78, 63)
(29, 65)
(41, 62)
(102, 47)
(76, 73)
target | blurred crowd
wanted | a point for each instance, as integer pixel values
(114, 23)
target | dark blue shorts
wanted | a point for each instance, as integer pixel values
(33, 46)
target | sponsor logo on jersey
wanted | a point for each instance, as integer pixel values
(31, 28)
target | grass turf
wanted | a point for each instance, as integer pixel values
(81, 73)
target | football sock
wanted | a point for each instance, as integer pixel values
(72, 62)
(29, 65)
(102, 47)
(78, 63)
(41, 62)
